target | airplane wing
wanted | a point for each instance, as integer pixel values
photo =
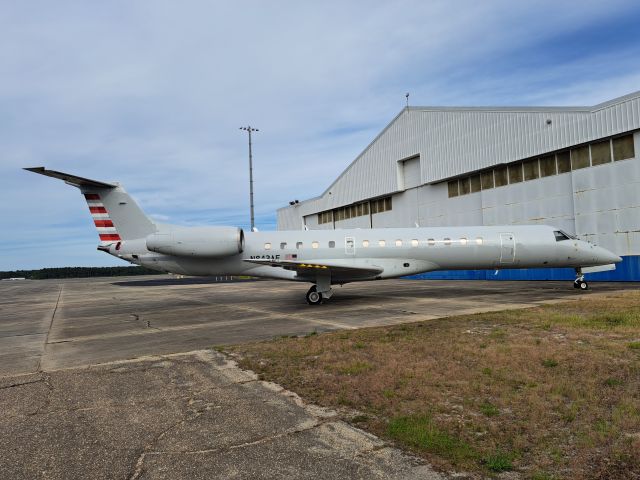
(311, 269)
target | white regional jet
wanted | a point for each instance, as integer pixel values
(325, 257)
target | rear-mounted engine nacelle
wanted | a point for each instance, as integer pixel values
(197, 241)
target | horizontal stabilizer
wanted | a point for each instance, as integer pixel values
(71, 179)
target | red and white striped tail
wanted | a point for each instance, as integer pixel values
(104, 225)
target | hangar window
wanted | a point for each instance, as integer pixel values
(531, 171)
(478, 240)
(381, 243)
(623, 148)
(325, 217)
(298, 245)
(601, 152)
(332, 244)
(447, 241)
(475, 183)
(453, 188)
(315, 244)
(463, 241)
(515, 173)
(500, 176)
(414, 243)
(398, 243)
(365, 243)
(465, 186)
(580, 157)
(267, 246)
(486, 179)
(381, 205)
(431, 242)
(564, 162)
(548, 166)
(283, 245)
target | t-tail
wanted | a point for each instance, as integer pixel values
(115, 214)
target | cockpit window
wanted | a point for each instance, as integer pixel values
(560, 236)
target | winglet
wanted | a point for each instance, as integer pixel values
(70, 179)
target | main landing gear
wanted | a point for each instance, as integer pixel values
(579, 282)
(322, 290)
(313, 296)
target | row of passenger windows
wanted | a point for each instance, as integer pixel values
(598, 153)
(357, 210)
(398, 243)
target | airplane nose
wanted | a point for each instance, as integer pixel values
(606, 256)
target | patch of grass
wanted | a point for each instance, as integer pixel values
(633, 345)
(419, 431)
(359, 419)
(487, 371)
(311, 334)
(543, 476)
(489, 409)
(388, 393)
(218, 348)
(499, 334)
(354, 368)
(359, 345)
(613, 382)
(499, 462)
(549, 363)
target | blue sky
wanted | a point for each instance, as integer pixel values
(151, 93)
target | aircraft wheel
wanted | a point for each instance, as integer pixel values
(314, 297)
(583, 285)
(576, 284)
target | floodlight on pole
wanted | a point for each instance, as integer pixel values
(249, 129)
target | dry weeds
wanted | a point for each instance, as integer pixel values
(552, 392)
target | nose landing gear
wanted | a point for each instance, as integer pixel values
(579, 282)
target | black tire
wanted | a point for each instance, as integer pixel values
(576, 284)
(584, 286)
(314, 297)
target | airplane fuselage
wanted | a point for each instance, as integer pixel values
(395, 251)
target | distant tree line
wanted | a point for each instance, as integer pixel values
(78, 272)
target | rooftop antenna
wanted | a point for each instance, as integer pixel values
(407, 97)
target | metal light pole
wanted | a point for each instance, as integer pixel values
(249, 129)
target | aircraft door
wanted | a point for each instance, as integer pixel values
(507, 248)
(349, 245)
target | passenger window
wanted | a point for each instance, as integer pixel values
(398, 243)
(283, 245)
(365, 243)
(431, 242)
(382, 243)
(414, 243)
(479, 241)
(463, 241)
(447, 241)
(332, 244)
(298, 245)
(267, 246)
(315, 244)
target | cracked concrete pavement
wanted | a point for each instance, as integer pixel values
(193, 415)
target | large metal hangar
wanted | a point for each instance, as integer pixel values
(577, 168)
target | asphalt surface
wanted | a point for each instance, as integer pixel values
(93, 383)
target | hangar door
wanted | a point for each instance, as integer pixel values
(411, 172)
